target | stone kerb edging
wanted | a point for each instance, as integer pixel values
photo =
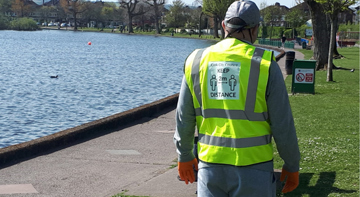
(14, 153)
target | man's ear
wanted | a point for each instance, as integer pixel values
(223, 25)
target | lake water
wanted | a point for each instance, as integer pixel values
(115, 73)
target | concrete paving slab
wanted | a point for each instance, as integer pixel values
(165, 185)
(17, 189)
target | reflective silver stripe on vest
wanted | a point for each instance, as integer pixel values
(195, 75)
(234, 143)
(230, 114)
(248, 113)
(252, 86)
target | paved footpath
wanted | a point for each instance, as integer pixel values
(137, 160)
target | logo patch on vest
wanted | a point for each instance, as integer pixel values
(223, 80)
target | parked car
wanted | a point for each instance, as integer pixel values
(51, 24)
(64, 25)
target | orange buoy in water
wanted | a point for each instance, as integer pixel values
(89, 43)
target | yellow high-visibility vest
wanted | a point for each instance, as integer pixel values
(228, 83)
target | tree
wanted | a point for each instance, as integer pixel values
(332, 8)
(263, 26)
(156, 5)
(74, 7)
(93, 13)
(130, 6)
(119, 13)
(21, 8)
(175, 17)
(272, 15)
(321, 33)
(217, 10)
(5, 6)
(142, 20)
(110, 13)
(45, 12)
(295, 18)
(60, 12)
(194, 18)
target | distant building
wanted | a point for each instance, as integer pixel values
(275, 15)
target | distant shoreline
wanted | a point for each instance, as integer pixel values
(196, 36)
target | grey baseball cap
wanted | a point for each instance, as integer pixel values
(245, 10)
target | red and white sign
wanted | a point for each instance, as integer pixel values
(304, 76)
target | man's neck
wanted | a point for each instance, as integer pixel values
(243, 40)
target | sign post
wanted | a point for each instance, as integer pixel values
(303, 78)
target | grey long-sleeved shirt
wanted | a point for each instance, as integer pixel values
(280, 116)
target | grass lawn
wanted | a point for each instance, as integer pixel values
(327, 125)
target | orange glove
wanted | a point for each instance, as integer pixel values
(292, 180)
(186, 170)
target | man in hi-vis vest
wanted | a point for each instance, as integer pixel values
(235, 96)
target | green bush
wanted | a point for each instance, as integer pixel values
(275, 32)
(301, 30)
(278, 32)
(290, 33)
(23, 24)
(263, 32)
(4, 22)
(347, 27)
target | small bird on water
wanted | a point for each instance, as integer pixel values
(54, 76)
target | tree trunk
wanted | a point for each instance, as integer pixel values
(216, 34)
(321, 33)
(200, 23)
(156, 9)
(157, 25)
(130, 24)
(329, 76)
(143, 23)
(75, 21)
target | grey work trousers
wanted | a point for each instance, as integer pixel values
(232, 181)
